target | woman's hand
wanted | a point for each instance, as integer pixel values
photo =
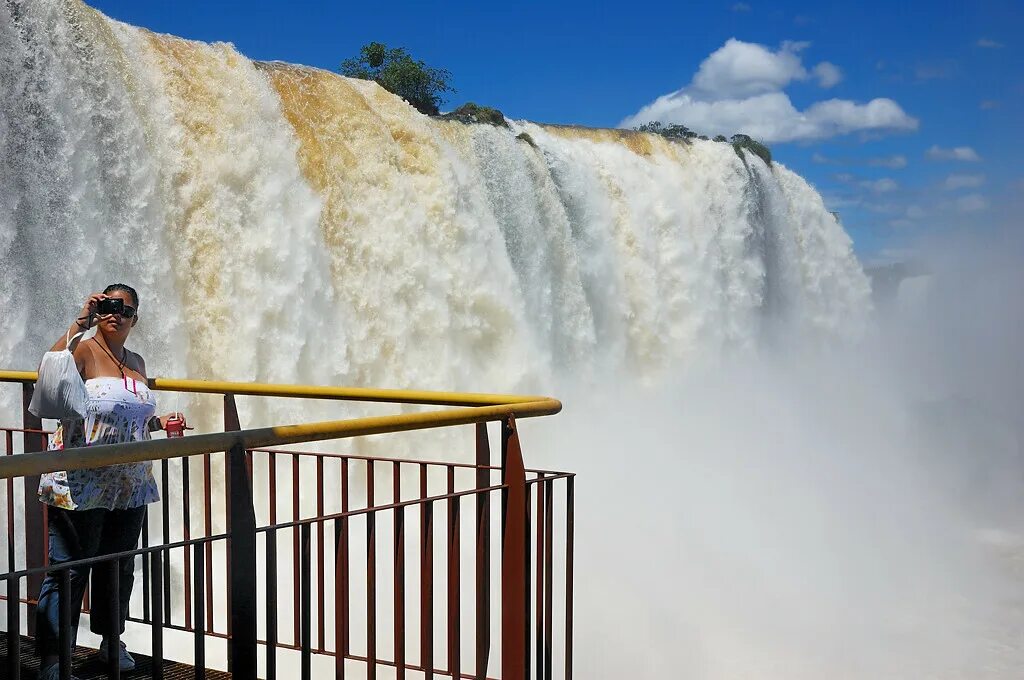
(175, 414)
(92, 304)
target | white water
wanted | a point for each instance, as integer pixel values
(283, 224)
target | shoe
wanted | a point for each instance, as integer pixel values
(124, 660)
(52, 672)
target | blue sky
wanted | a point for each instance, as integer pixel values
(939, 146)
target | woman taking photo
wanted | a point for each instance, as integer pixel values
(99, 511)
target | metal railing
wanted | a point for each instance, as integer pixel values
(337, 556)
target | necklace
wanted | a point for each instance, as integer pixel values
(121, 363)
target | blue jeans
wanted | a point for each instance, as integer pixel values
(81, 534)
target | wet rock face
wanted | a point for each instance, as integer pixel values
(473, 113)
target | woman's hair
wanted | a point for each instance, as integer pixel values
(124, 288)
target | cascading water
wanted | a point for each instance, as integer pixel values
(285, 224)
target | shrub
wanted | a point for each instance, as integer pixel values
(672, 131)
(397, 72)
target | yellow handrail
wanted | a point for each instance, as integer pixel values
(481, 408)
(314, 391)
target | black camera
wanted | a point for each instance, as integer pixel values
(110, 306)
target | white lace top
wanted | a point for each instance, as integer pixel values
(119, 411)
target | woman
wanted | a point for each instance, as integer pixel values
(99, 511)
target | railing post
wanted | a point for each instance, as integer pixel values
(35, 540)
(514, 556)
(483, 553)
(231, 424)
(242, 646)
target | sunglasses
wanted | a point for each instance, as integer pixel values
(128, 312)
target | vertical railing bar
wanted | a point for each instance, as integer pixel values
(14, 628)
(147, 613)
(156, 625)
(549, 531)
(539, 570)
(399, 572)
(13, 584)
(528, 556)
(165, 510)
(483, 553)
(186, 528)
(426, 579)
(11, 555)
(371, 577)
(271, 549)
(271, 546)
(199, 632)
(454, 581)
(208, 554)
(272, 475)
(306, 604)
(569, 530)
(340, 600)
(343, 547)
(114, 604)
(228, 594)
(64, 633)
(296, 586)
(321, 603)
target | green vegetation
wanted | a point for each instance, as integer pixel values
(524, 136)
(668, 131)
(396, 71)
(740, 142)
(474, 113)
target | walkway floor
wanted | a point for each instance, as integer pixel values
(87, 665)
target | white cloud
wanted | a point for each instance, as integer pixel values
(738, 88)
(740, 7)
(741, 69)
(828, 74)
(880, 186)
(916, 212)
(958, 153)
(988, 104)
(896, 162)
(954, 182)
(989, 43)
(971, 203)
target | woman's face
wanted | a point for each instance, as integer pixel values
(117, 326)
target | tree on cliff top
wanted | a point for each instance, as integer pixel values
(397, 72)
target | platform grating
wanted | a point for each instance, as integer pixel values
(87, 665)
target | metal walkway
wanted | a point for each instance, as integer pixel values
(87, 665)
(394, 564)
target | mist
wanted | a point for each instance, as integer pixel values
(841, 511)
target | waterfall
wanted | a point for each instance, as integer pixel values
(284, 223)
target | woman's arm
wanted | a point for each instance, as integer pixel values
(81, 324)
